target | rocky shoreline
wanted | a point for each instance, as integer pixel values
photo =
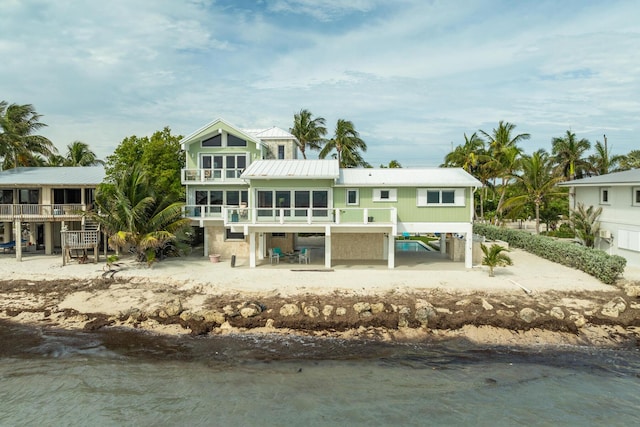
(501, 318)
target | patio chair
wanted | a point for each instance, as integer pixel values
(304, 256)
(274, 255)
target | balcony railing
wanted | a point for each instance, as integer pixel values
(337, 216)
(204, 176)
(41, 212)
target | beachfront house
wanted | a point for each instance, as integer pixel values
(248, 194)
(618, 194)
(41, 206)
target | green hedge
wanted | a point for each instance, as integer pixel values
(597, 263)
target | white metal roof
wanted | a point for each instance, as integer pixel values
(38, 176)
(407, 177)
(271, 133)
(630, 177)
(212, 125)
(289, 169)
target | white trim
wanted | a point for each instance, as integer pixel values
(357, 202)
(635, 196)
(392, 193)
(422, 197)
(605, 195)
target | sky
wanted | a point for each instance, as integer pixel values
(414, 76)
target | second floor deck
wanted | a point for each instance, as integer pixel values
(35, 212)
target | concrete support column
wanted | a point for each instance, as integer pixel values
(206, 242)
(468, 247)
(327, 247)
(48, 238)
(392, 250)
(18, 234)
(443, 243)
(7, 232)
(261, 246)
(252, 250)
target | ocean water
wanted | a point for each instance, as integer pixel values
(123, 378)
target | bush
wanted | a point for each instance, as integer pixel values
(606, 268)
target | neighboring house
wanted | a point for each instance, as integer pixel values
(248, 200)
(618, 194)
(37, 203)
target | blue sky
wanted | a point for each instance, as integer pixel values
(413, 76)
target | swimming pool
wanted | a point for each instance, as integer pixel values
(412, 246)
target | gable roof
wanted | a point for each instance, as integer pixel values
(214, 125)
(407, 177)
(630, 177)
(292, 169)
(63, 176)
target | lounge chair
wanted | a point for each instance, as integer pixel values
(274, 255)
(304, 256)
(8, 245)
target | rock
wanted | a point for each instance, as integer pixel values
(174, 308)
(289, 310)
(632, 291)
(578, 320)
(465, 301)
(341, 311)
(250, 310)
(229, 311)
(529, 314)
(361, 307)
(505, 313)
(634, 305)
(556, 312)
(269, 324)
(327, 310)
(312, 311)
(214, 317)
(377, 307)
(614, 307)
(424, 312)
(486, 305)
(443, 310)
(403, 317)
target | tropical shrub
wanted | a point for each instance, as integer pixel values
(606, 268)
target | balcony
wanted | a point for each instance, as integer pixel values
(210, 176)
(311, 216)
(28, 212)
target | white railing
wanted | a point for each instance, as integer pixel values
(28, 211)
(79, 239)
(194, 176)
(345, 216)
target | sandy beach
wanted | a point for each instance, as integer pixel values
(532, 302)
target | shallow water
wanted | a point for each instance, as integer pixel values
(124, 378)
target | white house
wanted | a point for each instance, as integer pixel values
(618, 194)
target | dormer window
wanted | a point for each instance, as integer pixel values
(214, 141)
(234, 141)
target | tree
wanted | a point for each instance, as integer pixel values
(536, 184)
(505, 153)
(79, 154)
(308, 131)
(494, 257)
(569, 152)
(584, 223)
(159, 156)
(136, 217)
(18, 144)
(393, 164)
(468, 156)
(631, 160)
(347, 144)
(602, 162)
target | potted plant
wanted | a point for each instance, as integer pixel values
(214, 258)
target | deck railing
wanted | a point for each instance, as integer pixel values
(345, 216)
(79, 239)
(194, 176)
(40, 212)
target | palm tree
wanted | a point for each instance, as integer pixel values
(137, 219)
(602, 162)
(494, 257)
(468, 156)
(569, 152)
(536, 184)
(18, 145)
(505, 153)
(584, 223)
(79, 154)
(309, 132)
(393, 164)
(630, 161)
(347, 143)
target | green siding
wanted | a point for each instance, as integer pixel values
(194, 148)
(408, 211)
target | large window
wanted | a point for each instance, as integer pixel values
(440, 197)
(214, 141)
(26, 196)
(297, 201)
(229, 166)
(234, 141)
(6, 197)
